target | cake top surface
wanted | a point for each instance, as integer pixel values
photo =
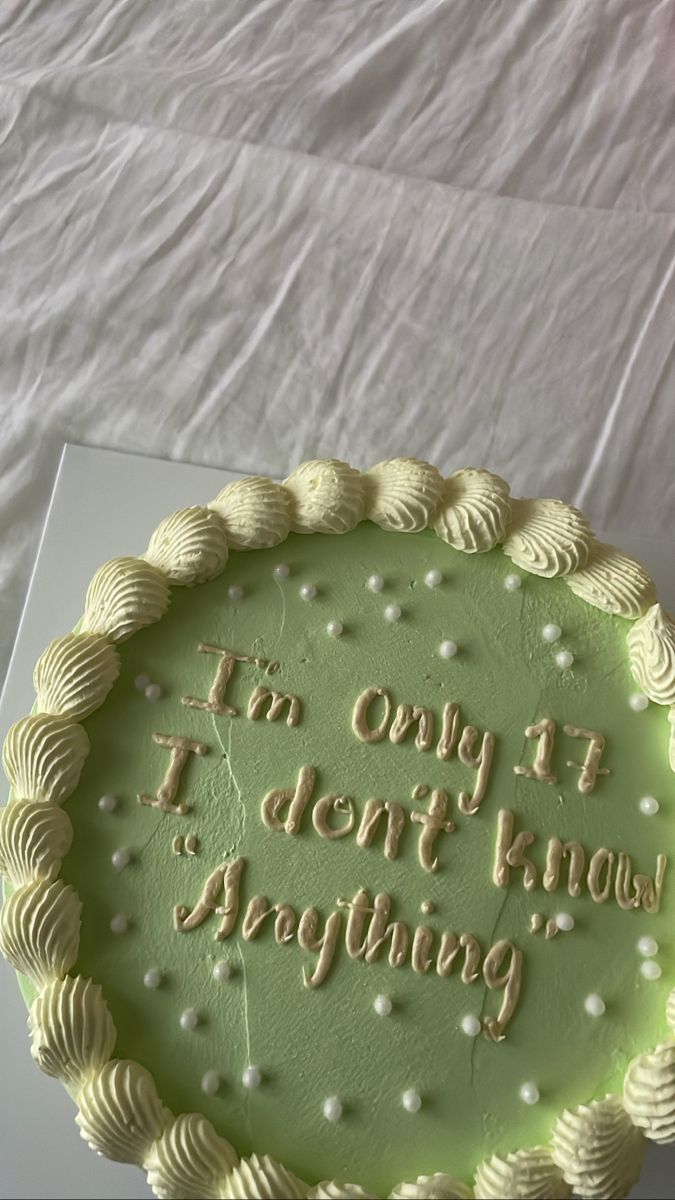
(364, 844)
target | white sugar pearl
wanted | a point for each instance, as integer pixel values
(119, 923)
(594, 1005)
(120, 858)
(251, 1077)
(334, 628)
(448, 649)
(375, 583)
(564, 921)
(222, 972)
(235, 592)
(308, 591)
(152, 978)
(141, 682)
(512, 583)
(281, 571)
(564, 659)
(433, 578)
(471, 1026)
(392, 612)
(332, 1109)
(650, 969)
(210, 1083)
(108, 804)
(153, 692)
(529, 1093)
(649, 806)
(551, 633)
(411, 1100)
(638, 701)
(382, 1006)
(189, 1019)
(648, 946)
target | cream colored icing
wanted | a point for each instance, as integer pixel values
(474, 511)
(190, 1160)
(261, 1178)
(255, 512)
(72, 1032)
(329, 1190)
(651, 646)
(40, 930)
(671, 740)
(432, 1187)
(670, 1011)
(402, 494)
(189, 547)
(327, 496)
(524, 1175)
(613, 582)
(34, 838)
(124, 595)
(121, 1114)
(43, 757)
(649, 1093)
(74, 675)
(597, 1149)
(547, 537)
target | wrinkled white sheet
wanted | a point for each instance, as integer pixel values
(248, 232)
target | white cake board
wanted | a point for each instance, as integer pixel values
(93, 516)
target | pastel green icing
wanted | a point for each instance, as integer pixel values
(314, 1044)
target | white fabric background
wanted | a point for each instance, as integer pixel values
(243, 233)
(246, 232)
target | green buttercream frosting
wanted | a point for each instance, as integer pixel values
(312, 1044)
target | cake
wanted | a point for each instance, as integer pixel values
(347, 872)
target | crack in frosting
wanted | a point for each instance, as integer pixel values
(651, 645)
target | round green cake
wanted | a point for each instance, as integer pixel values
(348, 874)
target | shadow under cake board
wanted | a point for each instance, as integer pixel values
(93, 516)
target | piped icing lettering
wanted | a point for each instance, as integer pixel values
(181, 748)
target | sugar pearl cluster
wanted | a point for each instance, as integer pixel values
(150, 689)
(648, 948)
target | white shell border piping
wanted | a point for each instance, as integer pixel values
(120, 1113)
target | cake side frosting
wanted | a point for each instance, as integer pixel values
(39, 927)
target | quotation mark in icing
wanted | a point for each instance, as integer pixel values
(188, 845)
